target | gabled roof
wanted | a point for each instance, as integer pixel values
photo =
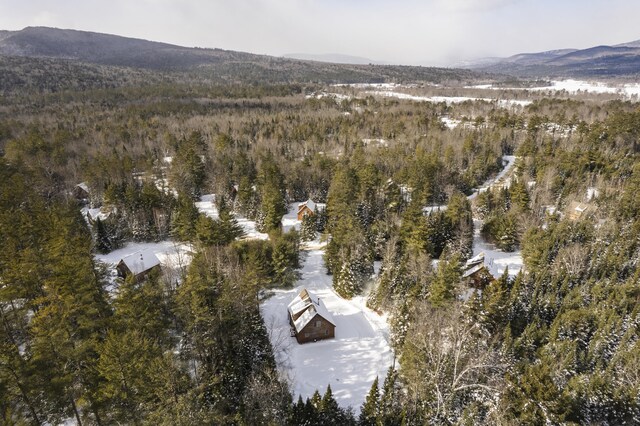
(141, 261)
(83, 186)
(309, 203)
(305, 306)
(472, 271)
(477, 259)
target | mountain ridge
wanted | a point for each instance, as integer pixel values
(621, 60)
(210, 65)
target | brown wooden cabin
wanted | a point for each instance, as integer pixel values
(139, 264)
(478, 276)
(309, 318)
(306, 208)
(81, 192)
(577, 210)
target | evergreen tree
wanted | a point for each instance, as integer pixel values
(184, 219)
(447, 276)
(308, 228)
(370, 411)
(345, 283)
(103, 245)
(390, 407)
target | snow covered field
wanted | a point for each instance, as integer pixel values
(575, 86)
(351, 361)
(504, 103)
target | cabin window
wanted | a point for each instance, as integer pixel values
(306, 334)
(318, 324)
(326, 332)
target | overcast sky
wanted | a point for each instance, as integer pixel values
(425, 32)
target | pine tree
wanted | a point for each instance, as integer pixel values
(345, 283)
(330, 412)
(184, 219)
(308, 228)
(370, 411)
(447, 276)
(390, 407)
(103, 245)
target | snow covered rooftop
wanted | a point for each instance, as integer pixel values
(479, 258)
(472, 271)
(83, 186)
(309, 203)
(141, 261)
(304, 307)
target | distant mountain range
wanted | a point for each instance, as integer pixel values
(600, 61)
(335, 58)
(46, 47)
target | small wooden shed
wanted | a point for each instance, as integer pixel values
(306, 208)
(139, 264)
(577, 210)
(309, 318)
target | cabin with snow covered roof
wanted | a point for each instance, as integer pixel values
(309, 318)
(578, 210)
(81, 192)
(476, 273)
(306, 208)
(139, 264)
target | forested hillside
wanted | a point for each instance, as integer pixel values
(556, 343)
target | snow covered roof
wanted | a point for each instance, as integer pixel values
(141, 261)
(309, 203)
(479, 258)
(304, 307)
(472, 271)
(83, 186)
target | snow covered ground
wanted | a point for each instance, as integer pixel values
(504, 103)
(174, 257)
(207, 206)
(351, 361)
(495, 259)
(574, 86)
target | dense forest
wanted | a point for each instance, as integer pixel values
(555, 344)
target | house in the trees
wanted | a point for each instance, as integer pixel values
(306, 208)
(81, 192)
(577, 210)
(476, 273)
(139, 264)
(309, 318)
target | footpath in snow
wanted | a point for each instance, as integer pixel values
(351, 361)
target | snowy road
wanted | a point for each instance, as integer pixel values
(495, 259)
(350, 362)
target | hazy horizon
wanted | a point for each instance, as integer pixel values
(410, 32)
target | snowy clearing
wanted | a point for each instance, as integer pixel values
(207, 206)
(575, 86)
(504, 103)
(174, 258)
(351, 361)
(495, 260)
